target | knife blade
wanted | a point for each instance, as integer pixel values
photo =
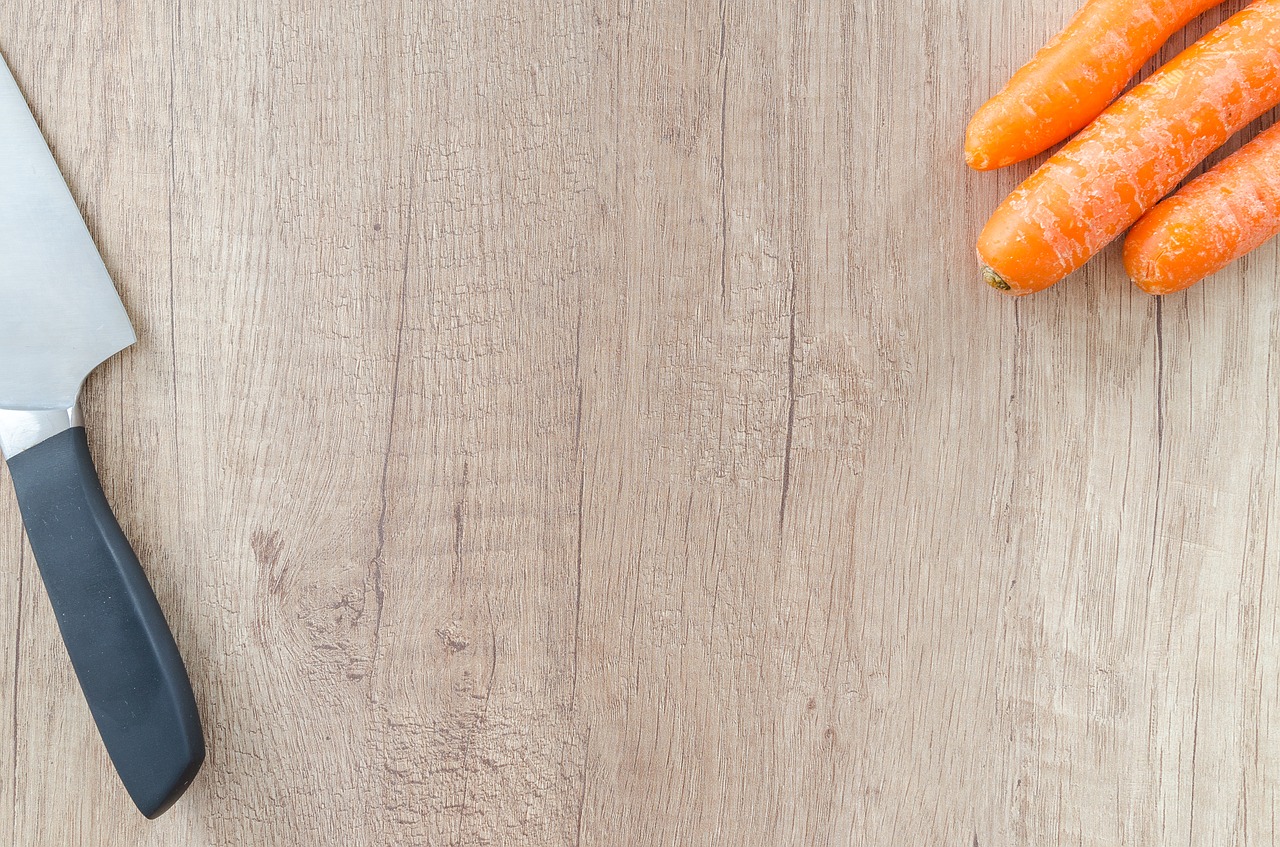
(61, 317)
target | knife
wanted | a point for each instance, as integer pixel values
(60, 317)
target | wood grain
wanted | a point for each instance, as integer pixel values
(582, 424)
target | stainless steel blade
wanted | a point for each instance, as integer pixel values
(60, 315)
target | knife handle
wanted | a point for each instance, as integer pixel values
(120, 646)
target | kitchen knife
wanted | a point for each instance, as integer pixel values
(60, 318)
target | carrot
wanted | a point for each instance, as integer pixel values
(1134, 153)
(1073, 77)
(1211, 222)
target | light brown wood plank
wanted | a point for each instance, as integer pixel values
(583, 424)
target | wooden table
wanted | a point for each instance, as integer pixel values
(583, 423)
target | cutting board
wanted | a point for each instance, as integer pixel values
(584, 424)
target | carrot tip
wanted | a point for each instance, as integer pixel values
(994, 279)
(981, 161)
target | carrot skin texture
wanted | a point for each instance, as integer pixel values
(1073, 78)
(1136, 151)
(1211, 222)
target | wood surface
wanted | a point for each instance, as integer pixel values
(583, 424)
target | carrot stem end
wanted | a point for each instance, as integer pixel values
(994, 279)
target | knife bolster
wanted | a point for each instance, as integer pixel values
(22, 430)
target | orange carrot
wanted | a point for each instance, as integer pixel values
(1073, 77)
(1211, 222)
(1134, 153)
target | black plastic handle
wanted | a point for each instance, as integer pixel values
(120, 646)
